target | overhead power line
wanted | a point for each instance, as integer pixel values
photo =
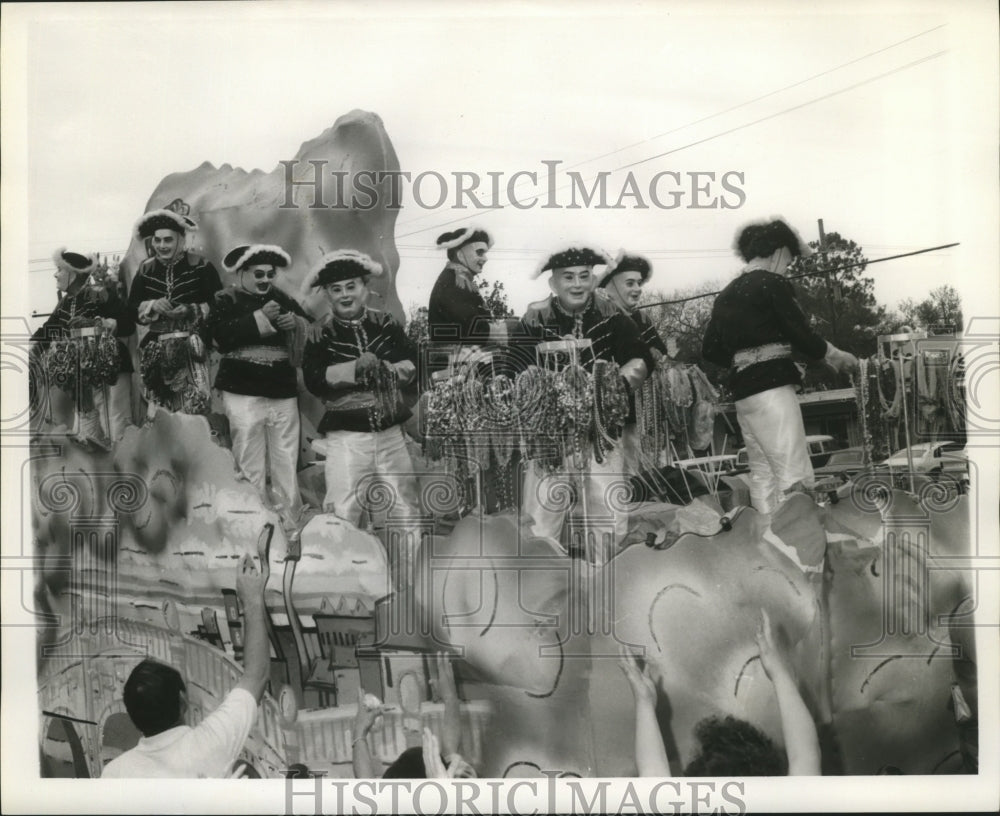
(730, 109)
(807, 274)
(719, 135)
(786, 110)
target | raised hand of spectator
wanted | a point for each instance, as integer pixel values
(770, 657)
(364, 720)
(643, 685)
(249, 581)
(797, 726)
(444, 684)
(444, 688)
(650, 752)
(433, 764)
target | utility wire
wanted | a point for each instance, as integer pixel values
(806, 274)
(734, 107)
(786, 110)
(783, 112)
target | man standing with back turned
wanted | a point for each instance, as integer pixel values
(156, 701)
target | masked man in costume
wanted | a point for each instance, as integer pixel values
(260, 332)
(457, 312)
(573, 312)
(755, 326)
(357, 366)
(85, 305)
(622, 283)
(170, 298)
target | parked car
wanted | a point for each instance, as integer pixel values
(935, 460)
(820, 446)
(843, 464)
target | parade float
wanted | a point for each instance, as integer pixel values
(138, 543)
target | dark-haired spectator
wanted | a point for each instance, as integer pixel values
(730, 746)
(155, 698)
(430, 760)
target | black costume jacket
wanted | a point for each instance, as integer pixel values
(647, 331)
(756, 309)
(233, 326)
(190, 280)
(457, 313)
(613, 334)
(341, 344)
(86, 304)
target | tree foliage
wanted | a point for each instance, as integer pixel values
(417, 328)
(840, 304)
(495, 297)
(940, 311)
(685, 321)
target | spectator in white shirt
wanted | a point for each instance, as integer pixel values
(156, 702)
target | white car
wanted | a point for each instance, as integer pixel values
(936, 460)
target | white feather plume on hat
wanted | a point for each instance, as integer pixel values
(457, 238)
(242, 256)
(59, 257)
(167, 219)
(626, 262)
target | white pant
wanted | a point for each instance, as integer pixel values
(604, 487)
(118, 406)
(635, 458)
(775, 437)
(262, 428)
(382, 457)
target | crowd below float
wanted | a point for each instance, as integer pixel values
(578, 396)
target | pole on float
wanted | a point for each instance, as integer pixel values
(905, 410)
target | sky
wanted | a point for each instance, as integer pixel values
(880, 117)
(854, 115)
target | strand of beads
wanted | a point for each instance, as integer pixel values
(861, 397)
(151, 370)
(610, 407)
(106, 363)
(895, 369)
(62, 364)
(575, 397)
